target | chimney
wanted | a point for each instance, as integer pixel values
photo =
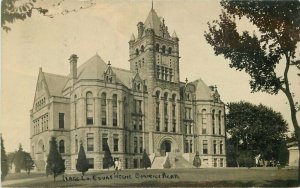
(73, 66)
(140, 27)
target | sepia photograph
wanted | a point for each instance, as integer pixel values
(150, 93)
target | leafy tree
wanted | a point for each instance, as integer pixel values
(146, 163)
(255, 128)
(82, 164)
(108, 159)
(55, 163)
(283, 154)
(29, 164)
(4, 161)
(167, 163)
(278, 27)
(231, 153)
(197, 160)
(245, 159)
(19, 160)
(12, 10)
(11, 158)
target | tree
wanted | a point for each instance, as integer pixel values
(4, 161)
(167, 163)
(255, 128)
(246, 159)
(146, 163)
(278, 24)
(13, 10)
(197, 160)
(82, 164)
(107, 160)
(19, 160)
(11, 158)
(29, 164)
(55, 163)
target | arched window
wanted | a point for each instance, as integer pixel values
(137, 51)
(213, 121)
(204, 121)
(220, 122)
(157, 94)
(174, 97)
(115, 110)
(166, 96)
(103, 109)
(170, 50)
(142, 48)
(62, 146)
(89, 108)
(157, 47)
(163, 49)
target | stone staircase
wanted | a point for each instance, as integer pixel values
(158, 162)
(181, 162)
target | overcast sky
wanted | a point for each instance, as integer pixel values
(106, 29)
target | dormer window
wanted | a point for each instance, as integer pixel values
(142, 48)
(157, 47)
(170, 50)
(163, 49)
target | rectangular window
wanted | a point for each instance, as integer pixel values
(204, 128)
(134, 124)
(157, 125)
(76, 144)
(205, 146)
(157, 109)
(103, 116)
(134, 106)
(215, 163)
(221, 162)
(221, 147)
(125, 144)
(139, 106)
(116, 143)
(166, 110)
(61, 123)
(91, 163)
(135, 163)
(174, 110)
(141, 144)
(186, 146)
(126, 163)
(115, 119)
(215, 147)
(166, 126)
(104, 142)
(135, 145)
(174, 127)
(140, 125)
(90, 142)
(191, 146)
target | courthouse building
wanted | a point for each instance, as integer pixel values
(146, 107)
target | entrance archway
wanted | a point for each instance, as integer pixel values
(165, 147)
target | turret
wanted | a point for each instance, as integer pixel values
(140, 27)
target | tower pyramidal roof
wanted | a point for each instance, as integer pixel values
(154, 22)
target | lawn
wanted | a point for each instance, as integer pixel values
(270, 177)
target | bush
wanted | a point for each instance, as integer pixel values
(82, 164)
(197, 160)
(146, 163)
(245, 159)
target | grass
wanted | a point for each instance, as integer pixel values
(229, 177)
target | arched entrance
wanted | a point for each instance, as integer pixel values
(165, 147)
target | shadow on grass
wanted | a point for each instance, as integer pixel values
(281, 183)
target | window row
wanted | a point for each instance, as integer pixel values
(163, 49)
(215, 122)
(166, 125)
(40, 103)
(216, 162)
(165, 96)
(40, 124)
(164, 73)
(215, 146)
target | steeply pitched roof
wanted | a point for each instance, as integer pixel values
(154, 22)
(55, 83)
(95, 67)
(202, 90)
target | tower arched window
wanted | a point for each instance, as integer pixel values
(89, 108)
(142, 48)
(136, 51)
(157, 94)
(163, 49)
(62, 146)
(170, 50)
(103, 109)
(166, 96)
(174, 97)
(115, 110)
(157, 47)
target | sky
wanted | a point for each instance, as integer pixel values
(105, 28)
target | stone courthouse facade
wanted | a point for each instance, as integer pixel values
(146, 107)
